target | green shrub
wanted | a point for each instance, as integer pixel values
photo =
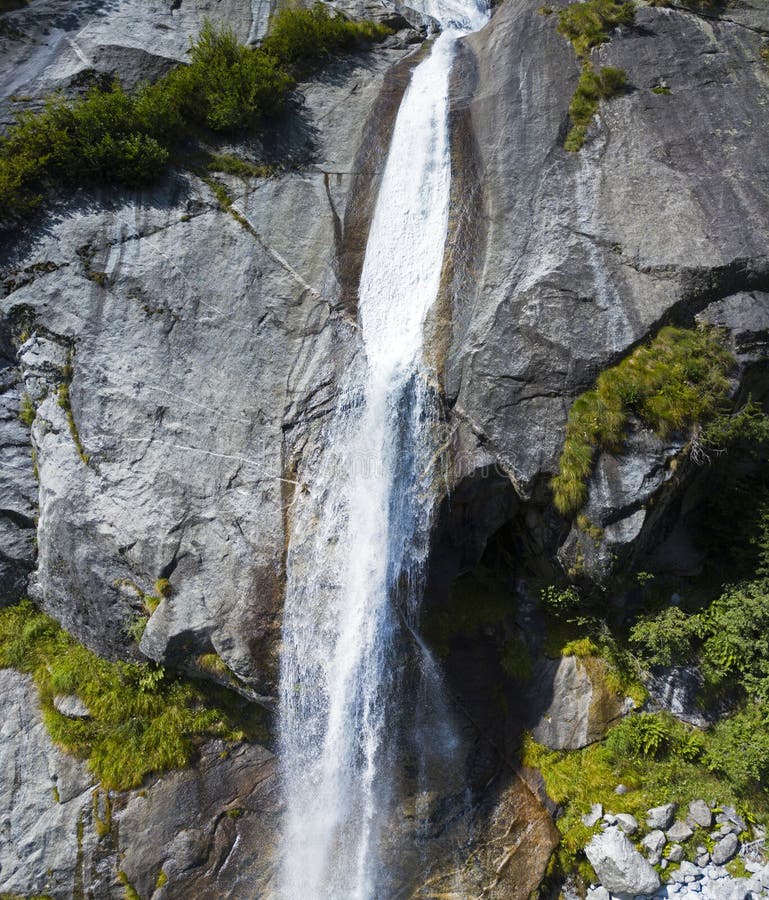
(229, 87)
(587, 24)
(560, 601)
(738, 747)
(736, 638)
(301, 39)
(675, 381)
(667, 638)
(142, 717)
(114, 137)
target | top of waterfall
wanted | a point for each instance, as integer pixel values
(456, 15)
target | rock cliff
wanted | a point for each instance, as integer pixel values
(200, 353)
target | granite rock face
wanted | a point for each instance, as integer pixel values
(570, 259)
(572, 704)
(210, 828)
(201, 353)
(190, 347)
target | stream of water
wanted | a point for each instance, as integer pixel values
(359, 541)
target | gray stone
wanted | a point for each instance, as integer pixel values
(703, 859)
(71, 706)
(627, 823)
(661, 817)
(43, 794)
(611, 270)
(734, 817)
(725, 849)
(570, 702)
(598, 893)
(592, 818)
(680, 831)
(621, 789)
(654, 843)
(700, 813)
(689, 870)
(619, 866)
(675, 853)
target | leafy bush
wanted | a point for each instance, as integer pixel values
(736, 644)
(111, 136)
(301, 39)
(229, 87)
(667, 638)
(142, 717)
(655, 735)
(676, 380)
(587, 24)
(738, 747)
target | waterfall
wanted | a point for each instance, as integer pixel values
(359, 537)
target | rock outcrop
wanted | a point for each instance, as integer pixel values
(571, 702)
(209, 829)
(619, 866)
(577, 257)
(199, 353)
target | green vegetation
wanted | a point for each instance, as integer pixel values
(677, 380)
(661, 89)
(130, 891)
(142, 718)
(516, 659)
(115, 137)
(591, 89)
(66, 405)
(162, 880)
(304, 39)
(240, 168)
(658, 758)
(27, 410)
(588, 24)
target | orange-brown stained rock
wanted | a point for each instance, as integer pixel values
(510, 853)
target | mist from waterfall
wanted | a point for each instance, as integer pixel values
(359, 538)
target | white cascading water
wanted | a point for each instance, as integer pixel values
(359, 536)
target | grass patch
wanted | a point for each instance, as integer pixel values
(677, 380)
(66, 404)
(592, 87)
(661, 89)
(27, 410)
(230, 164)
(143, 718)
(672, 770)
(113, 137)
(587, 24)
